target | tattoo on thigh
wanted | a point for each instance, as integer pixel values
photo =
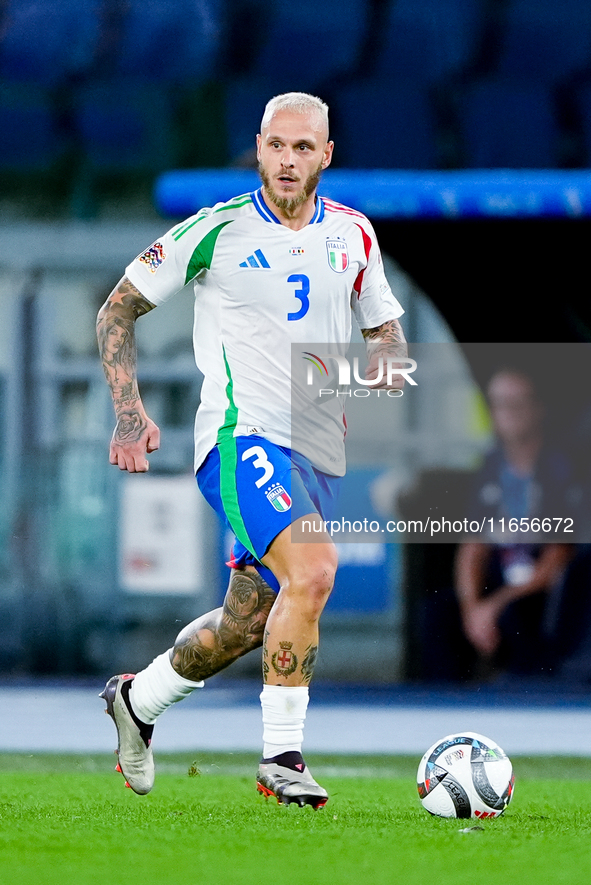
(215, 640)
(309, 663)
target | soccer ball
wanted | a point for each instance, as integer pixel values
(465, 775)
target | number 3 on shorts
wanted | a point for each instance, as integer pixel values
(261, 461)
(300, 294)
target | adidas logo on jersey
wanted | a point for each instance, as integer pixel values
(256, 260)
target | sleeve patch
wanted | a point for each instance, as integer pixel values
(153, 257)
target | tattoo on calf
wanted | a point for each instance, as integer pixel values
(284, 662)
(309, 663)
(265, 657)
(216, 639)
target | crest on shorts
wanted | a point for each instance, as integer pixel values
(278, 497)
(153, 257)
(338, 255)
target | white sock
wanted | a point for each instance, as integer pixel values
(284, 712)
(157, 687)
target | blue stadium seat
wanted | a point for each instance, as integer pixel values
(124, 126)
(383, 125)
(178, 41)
(508, 124)
(427, 40)
(30, 139)
(45, 42)
(545, 39)
(374, 124)
(311, 42)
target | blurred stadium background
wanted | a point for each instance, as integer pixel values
(100, 98)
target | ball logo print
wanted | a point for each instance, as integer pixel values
(465, 775)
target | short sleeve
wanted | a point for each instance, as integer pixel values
(373, 302)
(169, 263)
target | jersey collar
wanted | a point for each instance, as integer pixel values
(265, 212)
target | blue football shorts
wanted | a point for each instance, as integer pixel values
(259, 489)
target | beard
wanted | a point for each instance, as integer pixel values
(289, 204)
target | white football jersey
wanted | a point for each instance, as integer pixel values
(259, 288)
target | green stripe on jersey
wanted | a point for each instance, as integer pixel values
(187, 225)
(203, 253)
(226, 444)
(234, 203)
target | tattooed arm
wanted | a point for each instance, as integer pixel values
(135, 434)
(384, 341)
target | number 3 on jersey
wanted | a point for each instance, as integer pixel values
(260, 461)
(301, 294)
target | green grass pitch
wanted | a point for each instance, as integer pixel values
(69, 819)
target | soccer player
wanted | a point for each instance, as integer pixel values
(270, 268)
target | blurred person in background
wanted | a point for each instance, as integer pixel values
(503, 585)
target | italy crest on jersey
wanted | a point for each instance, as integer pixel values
(278, 497)
(338, 255)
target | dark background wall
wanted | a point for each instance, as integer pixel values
(501, 280)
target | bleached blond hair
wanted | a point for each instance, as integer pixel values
(298, 103)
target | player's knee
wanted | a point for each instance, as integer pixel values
(311, 583)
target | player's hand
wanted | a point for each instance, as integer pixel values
(373, 369)
(134, 437)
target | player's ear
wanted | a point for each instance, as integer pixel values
(259, 140)
(327, 154)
